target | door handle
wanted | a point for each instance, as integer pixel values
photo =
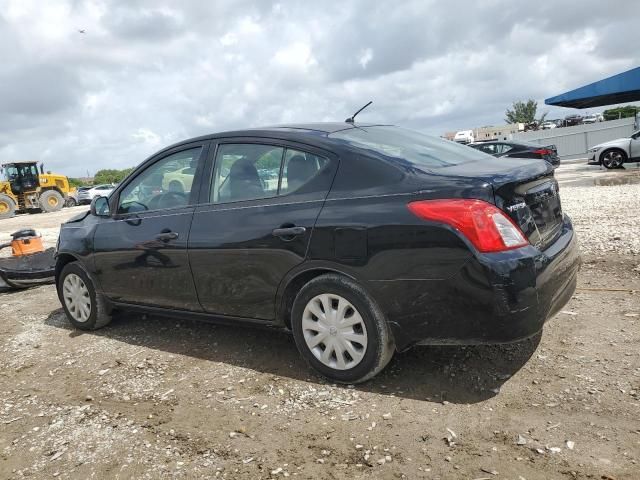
(166, 236)
(289, 231)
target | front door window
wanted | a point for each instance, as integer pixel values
(165, 184)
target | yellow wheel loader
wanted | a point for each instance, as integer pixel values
(24, 189)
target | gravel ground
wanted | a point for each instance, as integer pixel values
(160, 398)
(605, 217)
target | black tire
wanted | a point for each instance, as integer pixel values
(100, 315)
(613, 158)
(70, 202)
(380, 345)
(7, 206)
(51, 201)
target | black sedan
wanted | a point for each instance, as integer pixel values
(519, 150)
(360, 239)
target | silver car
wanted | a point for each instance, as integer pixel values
(615, 153)
(85, 195)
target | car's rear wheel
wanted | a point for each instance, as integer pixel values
(85, 308)
(70, 202)
(340, 331)
(613, 158)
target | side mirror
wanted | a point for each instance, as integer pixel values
(99, 207)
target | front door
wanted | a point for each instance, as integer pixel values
(141, 251)
(263, 204)
(634, 147)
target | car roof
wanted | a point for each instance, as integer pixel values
(291, 131)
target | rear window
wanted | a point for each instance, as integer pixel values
(414, 147)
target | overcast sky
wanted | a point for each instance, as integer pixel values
(149, 73)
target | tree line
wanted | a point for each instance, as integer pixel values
(525, 112)
(107, 175)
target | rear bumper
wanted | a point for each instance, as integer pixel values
(494, 298)
(554, 160)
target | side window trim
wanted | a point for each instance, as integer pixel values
(149, 163)
(207, 176)
(282, 160)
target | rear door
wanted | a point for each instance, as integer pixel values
(141, 250)
(261, 206)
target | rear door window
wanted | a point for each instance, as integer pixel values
(489, 148)
(300, 170)
(503, 148)
(246, 171)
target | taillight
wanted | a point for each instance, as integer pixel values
(543, 151)
(487, 227)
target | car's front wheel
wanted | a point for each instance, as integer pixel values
(340, 331)
(85, 308)
(613, 158)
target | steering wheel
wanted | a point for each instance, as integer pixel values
(168, 200)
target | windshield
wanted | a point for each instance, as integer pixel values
(636, 135)
(414, 147)
(13, 171)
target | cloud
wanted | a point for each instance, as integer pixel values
(143, 24)
(149, 73)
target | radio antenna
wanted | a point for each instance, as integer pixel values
(352, 118)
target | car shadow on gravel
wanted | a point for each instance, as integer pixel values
(454, 374)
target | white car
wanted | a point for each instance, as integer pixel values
(548, 125)
(593, 118)
(86, 194)
(615, 153)
(464, 136)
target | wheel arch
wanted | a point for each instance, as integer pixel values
(611, 149)
(62, 260)
(291, 285)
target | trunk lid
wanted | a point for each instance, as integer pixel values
(525, 189)
(534, 205)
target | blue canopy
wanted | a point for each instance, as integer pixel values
(621, 88)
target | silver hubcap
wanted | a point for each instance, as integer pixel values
(76, 297)
(334, 331)
(612, 159)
